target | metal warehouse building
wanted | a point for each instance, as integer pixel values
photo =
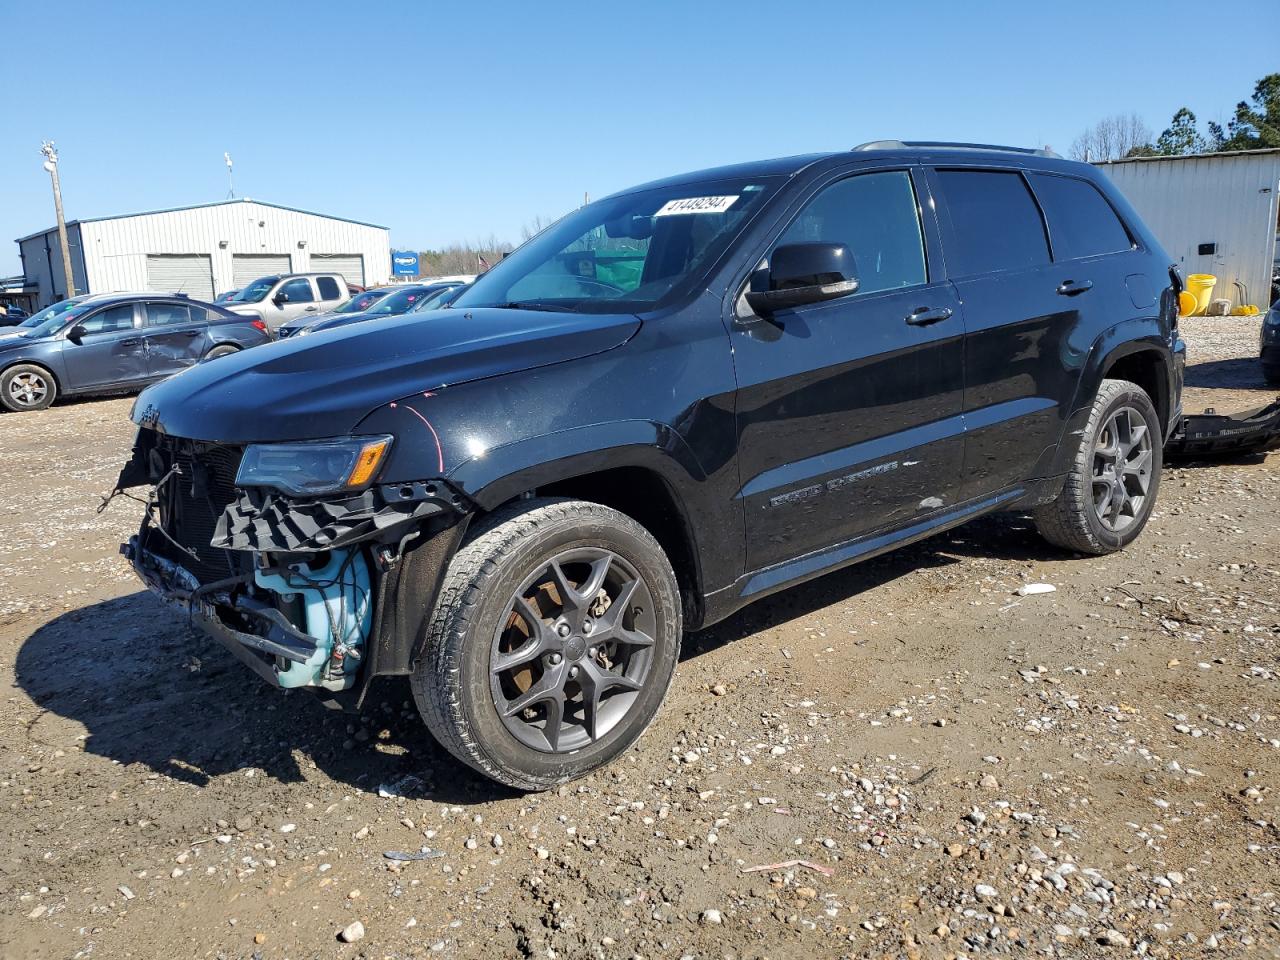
(1214, 213)
(203, 250)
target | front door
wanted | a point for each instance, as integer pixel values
(849, 411)
(300, 300)
(177, 336)
(111, 350)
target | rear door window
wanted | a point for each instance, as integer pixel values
(875, 215)
(1081, 221)
(995, 222)
(298, 291)
(328, 288)
(167, 314)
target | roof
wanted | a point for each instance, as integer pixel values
(876, 149)
(1190, 156)
(201, 206)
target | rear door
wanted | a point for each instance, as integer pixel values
(1018, 347)
(111, 351)
(849, 411)
(332, 292)
(177, 336)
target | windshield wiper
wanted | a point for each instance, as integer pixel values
(531, 305)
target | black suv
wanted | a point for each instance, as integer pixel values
(670, 403)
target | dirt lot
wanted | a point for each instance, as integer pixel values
(951, 769)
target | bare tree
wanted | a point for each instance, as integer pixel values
(1112, 138)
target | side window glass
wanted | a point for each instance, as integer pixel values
(167, 314)
(996, 222)
(298, 291)
(110, 320)
(876, 216)
(1081, 222)
(328, 288)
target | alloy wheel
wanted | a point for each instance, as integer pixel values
(569, 659)
(1122, 460)
(28, 389)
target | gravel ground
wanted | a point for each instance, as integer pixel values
(902, 759)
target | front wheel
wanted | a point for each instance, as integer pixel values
(1111, 489)
(553, 642)
(27, 386)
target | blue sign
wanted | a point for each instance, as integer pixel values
(404, 263)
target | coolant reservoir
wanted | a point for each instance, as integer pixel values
(337, 607)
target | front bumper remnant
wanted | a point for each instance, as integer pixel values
(1214, 434)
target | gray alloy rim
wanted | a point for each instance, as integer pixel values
(28, 389)
(1122, 460)
(569, 660)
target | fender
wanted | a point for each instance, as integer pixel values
(1128, 337)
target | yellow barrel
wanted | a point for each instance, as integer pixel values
(1201, 285)
(1186, 304)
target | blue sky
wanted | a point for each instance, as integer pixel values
(452, 122)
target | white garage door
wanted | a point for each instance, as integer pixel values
(248, 267)
(348, 265)
(191, 274)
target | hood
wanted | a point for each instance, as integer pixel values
(324, 321)
(305, 388)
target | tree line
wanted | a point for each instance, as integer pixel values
(1254, 125)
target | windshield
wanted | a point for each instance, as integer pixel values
(435, 299)
(401, 301)
(50, 319)
(255, 291)
(361, 302)
(623, 254)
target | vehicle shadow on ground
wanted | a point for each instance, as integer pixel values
(1241, 373)
(149, 689)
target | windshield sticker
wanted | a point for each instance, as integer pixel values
(696, 205)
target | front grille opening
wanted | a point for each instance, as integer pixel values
(190, 503)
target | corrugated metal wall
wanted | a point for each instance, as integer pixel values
(116, 250)
(1227, 200)
(42, 265)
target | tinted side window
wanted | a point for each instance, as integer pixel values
(298, 291)
(875, 215)
(995, 220)
(328, 288)
(110, 320)
(1081, 222)
(166, 314)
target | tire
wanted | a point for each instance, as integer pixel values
(472, 705)
(1089, 515)
(222, 350)
(26, 386)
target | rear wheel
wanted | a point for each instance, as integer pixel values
(27, 386)
(221, 351)
(1111, 489)
(553, 642)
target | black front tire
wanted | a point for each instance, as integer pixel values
(27, 386)
(1072, 519)
(1271, 375)
(453, 681)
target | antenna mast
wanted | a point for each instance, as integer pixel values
(231, 185)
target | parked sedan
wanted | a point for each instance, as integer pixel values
(116, 343)
(12, 315)
(396, 300)
(359, 303)
(1269, 345)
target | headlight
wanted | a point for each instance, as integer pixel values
(314, 468)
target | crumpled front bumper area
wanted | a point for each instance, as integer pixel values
(293, 587)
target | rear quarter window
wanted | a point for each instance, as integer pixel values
(1081, 221)
(328, 288)
(995, 222)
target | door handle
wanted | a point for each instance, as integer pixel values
(311, 310)
(1069, 288)
(923, 316)
(131, 342)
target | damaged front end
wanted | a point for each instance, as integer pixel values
(322, 591)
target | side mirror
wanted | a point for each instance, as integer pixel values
(800, 273)
(76, 333)
(280, 299)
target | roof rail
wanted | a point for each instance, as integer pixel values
(903, 144)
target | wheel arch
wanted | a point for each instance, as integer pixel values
(640, 468)
(48, 368)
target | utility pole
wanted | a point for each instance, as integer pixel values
(51, 164)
